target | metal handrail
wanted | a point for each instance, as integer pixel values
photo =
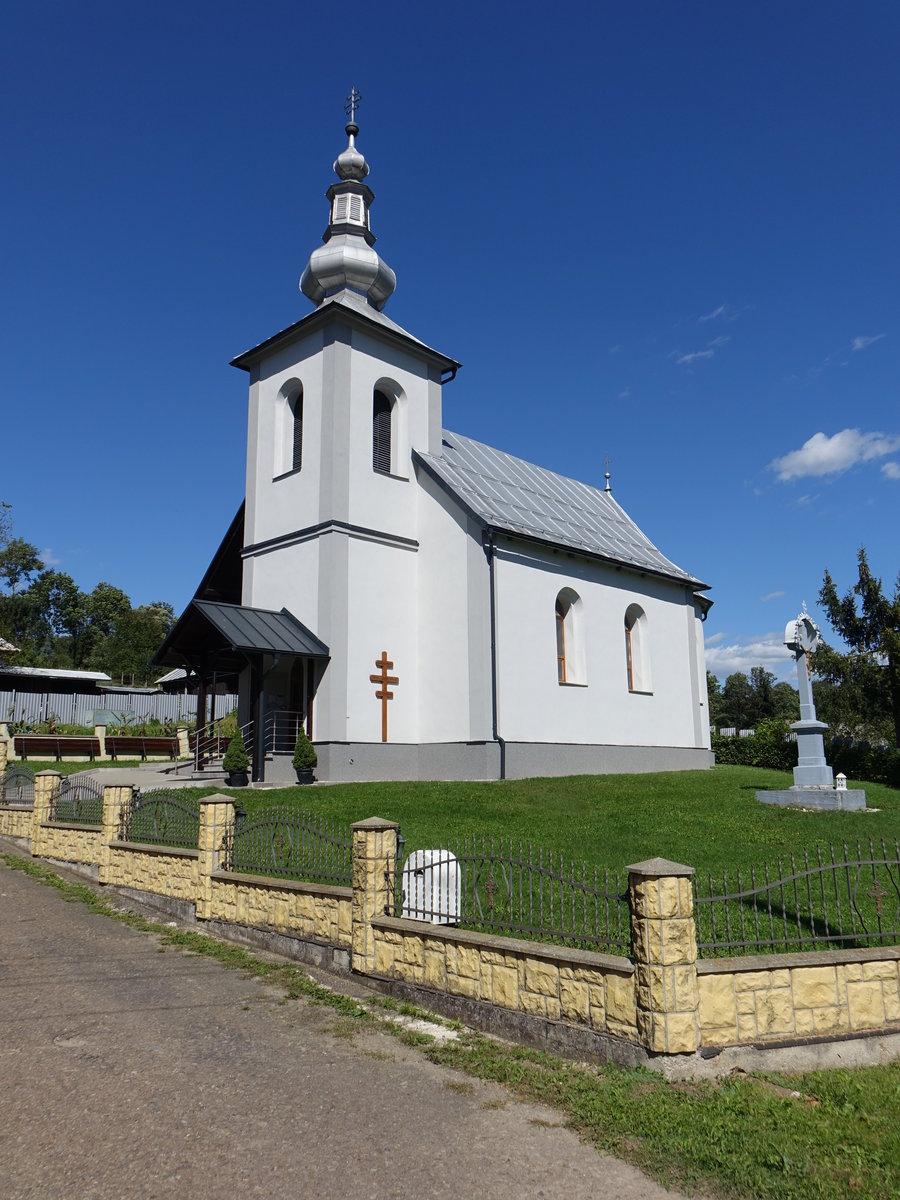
(211, 743)
(281, 730)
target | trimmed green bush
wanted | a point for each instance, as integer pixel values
(236, 758)
(305, 755)
(769, 747)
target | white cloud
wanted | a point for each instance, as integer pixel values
(715, 639)
(689, 358)
(49, 559)
(725, 312)
(771, 596)
(822, 455)
(614, 349)
(623, 395)
(719, 341)
(742, 654)
(891, 470)
(716, 312)
(862, 343)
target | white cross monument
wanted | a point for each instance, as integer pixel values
(813, 778)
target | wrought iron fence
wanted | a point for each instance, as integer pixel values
(829, 898)
(288, 844)
(496, 887)
(79, 801)
(161, 817)
(17, 786)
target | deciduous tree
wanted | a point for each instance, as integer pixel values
(869, 622)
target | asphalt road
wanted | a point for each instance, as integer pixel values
(127, 1071)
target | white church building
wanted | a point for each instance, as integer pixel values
(426, 606)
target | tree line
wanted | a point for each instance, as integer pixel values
(55, 624)
(857, 692)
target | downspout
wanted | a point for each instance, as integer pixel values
(488, 545)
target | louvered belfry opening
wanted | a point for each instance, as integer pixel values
(297, 455)
(381, 433)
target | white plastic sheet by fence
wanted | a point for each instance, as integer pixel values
(431, 887)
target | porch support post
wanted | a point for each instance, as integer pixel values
(257, 691)
(201, 712)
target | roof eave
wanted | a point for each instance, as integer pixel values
(329, 312)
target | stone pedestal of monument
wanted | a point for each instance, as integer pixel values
(813, 778)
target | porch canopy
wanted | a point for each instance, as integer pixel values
(219, 640)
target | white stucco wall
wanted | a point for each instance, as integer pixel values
(454, 642)
(534, 706)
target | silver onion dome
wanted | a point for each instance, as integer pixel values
(350, 164)
(348, 258)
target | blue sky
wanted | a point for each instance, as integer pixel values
(662, 233)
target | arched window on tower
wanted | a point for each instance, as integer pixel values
(637, 649)
(570, 657)
(381, 433)
(297, 414)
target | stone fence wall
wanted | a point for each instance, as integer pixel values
(658, 1004)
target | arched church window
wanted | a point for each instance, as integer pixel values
(637, 649)
(297, 414)
(381, 433)
(570, 656)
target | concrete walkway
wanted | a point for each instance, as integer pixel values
(147, 777)
(129, 1072)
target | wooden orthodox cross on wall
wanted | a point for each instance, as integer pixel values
(381, 693)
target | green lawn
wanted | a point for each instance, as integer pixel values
(710, 820)
(69, 767)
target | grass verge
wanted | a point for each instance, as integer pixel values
(831, 1134)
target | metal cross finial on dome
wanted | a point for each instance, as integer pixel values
(607, 462)
(353, 104)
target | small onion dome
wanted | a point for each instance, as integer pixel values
(351, 164)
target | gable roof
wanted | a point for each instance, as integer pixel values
(510, 494)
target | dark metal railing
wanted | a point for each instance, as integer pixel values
(161, 817)
(288, 844)
(281, 730)
(211, 741)
(495, 887)
(17, 786)
(827, 898)
(79, 801)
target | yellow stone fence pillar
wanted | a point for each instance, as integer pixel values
(7, 739)
(46, 788)
(664, 945)
(3, 755)
(115, 801)
(184, 744)
(216, 826)
(374, 860)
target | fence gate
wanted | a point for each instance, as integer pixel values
(78, 800)
(17, 786)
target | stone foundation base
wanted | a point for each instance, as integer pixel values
(825, 799)
(359, 761)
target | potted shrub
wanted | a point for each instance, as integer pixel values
(305, 758)
(236, 762)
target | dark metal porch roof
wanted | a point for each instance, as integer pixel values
(211, 635)
(261, 629)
